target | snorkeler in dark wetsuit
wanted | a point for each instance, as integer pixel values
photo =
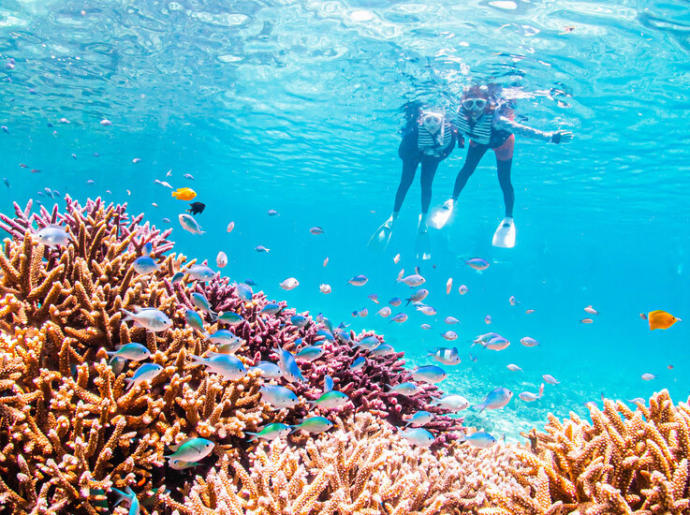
(488, 122)
(428, 138)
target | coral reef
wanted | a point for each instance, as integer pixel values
(361, 467)
(69, 428)
(367, 388)
(624, 462)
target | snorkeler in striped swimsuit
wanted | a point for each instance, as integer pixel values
(488, 122)
(428, 138)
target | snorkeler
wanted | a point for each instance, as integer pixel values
(488, 121)
(428, 138)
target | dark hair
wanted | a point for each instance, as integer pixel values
(411, 111)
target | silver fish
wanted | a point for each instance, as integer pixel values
(149, 318)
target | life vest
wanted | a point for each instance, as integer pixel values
(433, 144)
(479, 130)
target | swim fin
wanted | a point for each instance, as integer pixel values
(504, 236)
(440, 215)
(382, 236)
(422, 245)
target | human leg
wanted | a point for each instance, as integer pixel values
(504, 161)
(474, 155)
(441, 215)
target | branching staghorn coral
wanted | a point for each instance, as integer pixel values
(368, 388)
(69, 429)
(624, 462)
(361, 467)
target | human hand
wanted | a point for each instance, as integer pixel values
(561, 137)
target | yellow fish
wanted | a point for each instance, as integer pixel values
(184, 194)
(661, 320)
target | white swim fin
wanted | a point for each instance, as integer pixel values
(440, 215)
(382, 236)
(504, 236)
(423, 242)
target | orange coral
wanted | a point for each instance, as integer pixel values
(623, 462)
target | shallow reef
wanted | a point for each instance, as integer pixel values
(71, 430)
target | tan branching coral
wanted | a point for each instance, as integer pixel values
(87, 431)
(625, 461)
(362, 467)
(69, 428)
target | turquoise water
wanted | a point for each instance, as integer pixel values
(293, 106)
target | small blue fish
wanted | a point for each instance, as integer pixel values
(299, 320)
(310, 353)
(395, 301)
(419, 419)
(331, 400)
(446, 356)
(369, 342)
(145, 265)
(189, 223)
(278, 396)
(327, 384)
(201, 273)
(130, 497)
(225, 365)
(261, 248)
(326, 334)
(496, 399)
(400, 318)
(177, 277)
(271, 309)
(192, 450)
(359, 280)
(148, 248)
(418, 436)
(133, 351)
(250, 282)
(201, 302)
(194, 320)
(452, 402)
(178, 464)
(269, 369)
(480, 440)
(245, 292)
(429, 374)
(145, 372)
(226, 341)
(288, 366)
(382, 350)
(53, 235)
(358, 364)
(149, 318)
(326, 322)
(270, 432)
(230, 317)
(344, 335)
(406, 388)
(418, 296)
(314, 425)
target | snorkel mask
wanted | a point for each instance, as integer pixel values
(432, 122)
(475, 99)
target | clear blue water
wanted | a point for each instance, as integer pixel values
(293, 106)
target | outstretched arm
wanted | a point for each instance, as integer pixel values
(501, 122)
